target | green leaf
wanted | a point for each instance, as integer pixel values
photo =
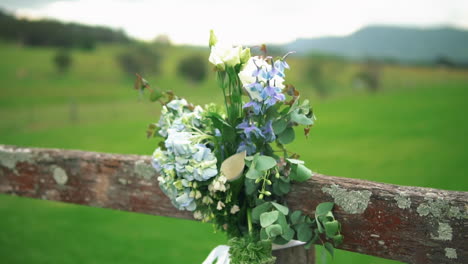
(273, 230)
(301, 118)
(331, 228)
(295, 161)
(155, 95)
(250, 186)
(304, 232)
(279, 240)
(295, 217)
(263, 163)
(323, 208)
(329, 248)
(268, 218)
(279, 126)
(263, 234)
(338, 240)
(283, 209)
(288, 234)
(287, 136)
(282, 221)
(301, 173)
(257, 211)
(284, 187)
(253, 174)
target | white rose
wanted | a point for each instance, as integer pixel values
(223, 55)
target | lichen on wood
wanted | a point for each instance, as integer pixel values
(353, 202)
(403, 201)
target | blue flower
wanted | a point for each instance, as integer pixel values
(280, 65)
(256, 107)
(272, 95)
(267, 131)
(186, 202)
(250, 130)
(247, 146)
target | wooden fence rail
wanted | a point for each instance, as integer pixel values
(408, 224)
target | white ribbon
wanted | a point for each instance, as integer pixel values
(222, 252)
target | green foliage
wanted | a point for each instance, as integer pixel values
(193, 68)
(141, 59)
(245, 250)
(369, 75)
(63, 61)
(47, 32)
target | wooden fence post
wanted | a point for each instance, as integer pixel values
(295, 255)
(408, 224)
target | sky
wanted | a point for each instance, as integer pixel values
(247, 22)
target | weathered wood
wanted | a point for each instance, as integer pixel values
(296, 255)
(409, 224)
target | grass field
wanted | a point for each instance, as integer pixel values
(413, 132)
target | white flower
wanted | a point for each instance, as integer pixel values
(198, 215)
(246, 75)
(220, 205)
(235, 209)
(207, 200)
(198, 195)
(218, 184)
(223, 55)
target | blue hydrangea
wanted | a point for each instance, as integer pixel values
(184, 160)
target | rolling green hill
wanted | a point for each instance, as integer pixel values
(400, 43)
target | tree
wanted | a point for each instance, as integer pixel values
(63, 61)
(193, 68)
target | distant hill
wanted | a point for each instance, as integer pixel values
(48, 32)
(400, 43)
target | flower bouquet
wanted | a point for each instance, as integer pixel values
(229, 164)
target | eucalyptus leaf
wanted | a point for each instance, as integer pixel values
(279, 126)
(250, 186)
(284, 187)
(273, 230)
(268, 218)
(331, 228)
(288, 234)
(295, 161)
(301, 119)
(287, 136)
(263, 163)
(280, 240)
(283, 209)
(260, 209)
(304, 232)
(324, 208)
(295, 217)
(330, 249)
(301, 173)
(263, 234)
(338, 240)
(282, 221)
(253, 174)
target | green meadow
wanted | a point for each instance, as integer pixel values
(412, 132)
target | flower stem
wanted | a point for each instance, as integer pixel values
(249, 221)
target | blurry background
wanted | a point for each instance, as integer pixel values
(388, 82)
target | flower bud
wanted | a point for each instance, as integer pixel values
(260, 196)
(267, 193)
(213, 39)
(245, 55)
